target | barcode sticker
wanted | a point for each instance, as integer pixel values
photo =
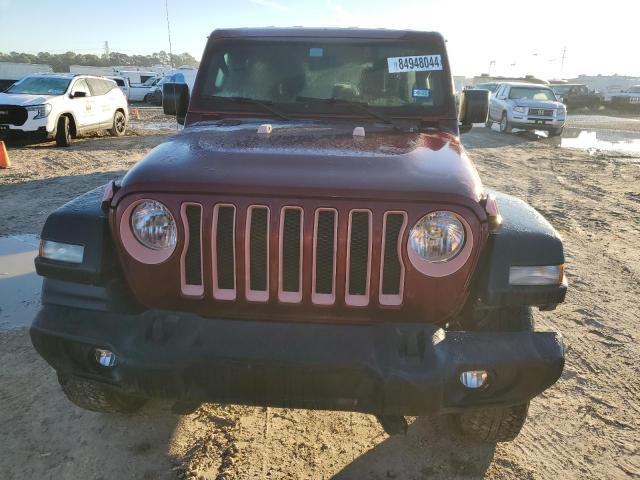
(416, 63)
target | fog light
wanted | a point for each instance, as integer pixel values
(106, 358)
(474, 378)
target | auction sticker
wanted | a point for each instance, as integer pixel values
(415, 63)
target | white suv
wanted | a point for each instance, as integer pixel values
(61, 105)
(526, 106)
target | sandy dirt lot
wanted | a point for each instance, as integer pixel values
(586, 426)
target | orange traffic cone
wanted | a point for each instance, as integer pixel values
(4, 156)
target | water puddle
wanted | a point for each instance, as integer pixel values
(601, 140)
(19, 284)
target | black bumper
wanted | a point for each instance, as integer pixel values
(402, 369)
(15, 134)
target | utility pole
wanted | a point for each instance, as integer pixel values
(491, 64)
(166, 8)
(564, 55)
(106, 49)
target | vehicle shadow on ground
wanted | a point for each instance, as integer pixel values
(45, 436)
(97, 142)
(429, 450)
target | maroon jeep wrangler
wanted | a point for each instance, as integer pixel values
(316, 237)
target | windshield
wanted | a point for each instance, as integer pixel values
(150, 82)
(405, 78)
(561, 88)
(40, 86)
(531, 93)
(635, 89)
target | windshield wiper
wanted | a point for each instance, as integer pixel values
(363, 106)
(264, 104)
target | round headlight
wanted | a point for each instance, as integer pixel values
(437, 237)
(153, 225)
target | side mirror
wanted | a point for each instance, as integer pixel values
(175, 100)
(78, 94)
(474, 108)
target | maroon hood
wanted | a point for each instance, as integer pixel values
(309, 159)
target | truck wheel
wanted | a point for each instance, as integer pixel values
(63, 132)
(505, 126)
(556, 132)
(497, 424)
(119, 124)
(95, 397)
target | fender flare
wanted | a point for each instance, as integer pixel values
(524, 238)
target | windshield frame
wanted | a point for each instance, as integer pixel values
(203, 104)
(17, 84)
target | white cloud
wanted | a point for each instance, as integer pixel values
(269, 4)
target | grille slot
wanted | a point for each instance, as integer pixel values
(358, 258)
(324, 256)
(290, 251)
(191, 259)
(392, 269)
(223, 252)
(257, 252)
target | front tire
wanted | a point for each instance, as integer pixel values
(63, 132)
(96, 397)
(497, 424)
(556, 132)
(119, 127)
(505, 125)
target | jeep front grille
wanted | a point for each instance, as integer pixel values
(249, 255)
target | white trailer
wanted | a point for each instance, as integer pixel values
(11, 72)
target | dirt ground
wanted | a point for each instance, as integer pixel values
(586, 426)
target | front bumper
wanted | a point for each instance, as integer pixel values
(16, 133)
(527, 122)
(386, 369)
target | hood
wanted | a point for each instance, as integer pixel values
(308, 160)
(24, 100)
(524, 102)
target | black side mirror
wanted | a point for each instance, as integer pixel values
(474, 108)
(78, 94)
(175, 100)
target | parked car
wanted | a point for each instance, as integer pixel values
(629, 99)
(323, 241)
(139, 92)
(154, 96)
(576, 95)
(60, 106)
(123, 84)
(186, 76)
(526, 106)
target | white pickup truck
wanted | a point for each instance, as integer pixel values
(138, 93)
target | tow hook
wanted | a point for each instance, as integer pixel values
(393, 424)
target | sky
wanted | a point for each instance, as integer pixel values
(510, 37)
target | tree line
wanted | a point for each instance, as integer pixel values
(60, 62)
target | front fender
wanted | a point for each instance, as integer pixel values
(525, 238)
